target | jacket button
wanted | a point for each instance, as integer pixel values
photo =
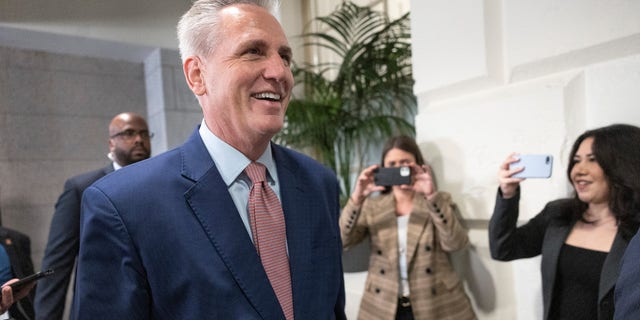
(377, 290)
(379, 252)
(441, 216)
(429, 270)
(428, 248)
(433, 291)
(444, 221)
(381, 271)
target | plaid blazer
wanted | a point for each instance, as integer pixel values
(436, 291)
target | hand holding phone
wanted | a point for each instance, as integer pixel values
(16, 286)
(535, 166)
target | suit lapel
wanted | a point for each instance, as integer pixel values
(553, 242)
(611, 266)
(300, 206)
(387, 223)
(298, 211)
(555, 237)
(417, 221)
(293, 200)
(213, 207)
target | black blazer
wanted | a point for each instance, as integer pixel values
(18, 247)
(62, 246)
(545, 234)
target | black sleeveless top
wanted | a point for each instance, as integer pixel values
(575, 293)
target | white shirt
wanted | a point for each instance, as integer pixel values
(403, 222)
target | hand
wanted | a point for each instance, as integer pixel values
(509, 185)
(8, 296)
(365, 185)
(423, 180)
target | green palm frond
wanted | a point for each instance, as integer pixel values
(351, 105)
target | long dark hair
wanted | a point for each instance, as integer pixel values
(404, 143)
(617, 150)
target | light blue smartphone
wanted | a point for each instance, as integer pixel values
(535, 166)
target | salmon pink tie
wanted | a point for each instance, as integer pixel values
(270, 235)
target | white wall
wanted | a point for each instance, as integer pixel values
(497, 76)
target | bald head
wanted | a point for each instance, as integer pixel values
(129, 138)
(121, 120)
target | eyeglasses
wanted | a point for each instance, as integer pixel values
(131, 134)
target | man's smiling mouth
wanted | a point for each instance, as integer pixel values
(267, 96)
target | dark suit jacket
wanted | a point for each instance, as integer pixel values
(18, 247)
(62, 246)
(627, 294)
(162, 239)
(545, 234)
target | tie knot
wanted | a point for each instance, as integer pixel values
(256, 172)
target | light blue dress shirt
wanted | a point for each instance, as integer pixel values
(231, 164)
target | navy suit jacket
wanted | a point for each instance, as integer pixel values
(162, 239)
(627, 294)
(62, 246)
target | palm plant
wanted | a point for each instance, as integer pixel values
(351, 105)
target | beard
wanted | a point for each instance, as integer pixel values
(127, 157)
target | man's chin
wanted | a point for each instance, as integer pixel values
(138, 157)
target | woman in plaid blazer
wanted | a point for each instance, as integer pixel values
(411, 229)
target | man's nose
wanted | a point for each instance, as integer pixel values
(277, 68)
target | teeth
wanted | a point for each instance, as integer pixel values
(268, 95)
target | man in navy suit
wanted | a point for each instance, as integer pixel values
(627, 294)
(170, 238)
(129, 142)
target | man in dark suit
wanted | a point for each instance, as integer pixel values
(15, 262)
(170, 238)
(129, 142)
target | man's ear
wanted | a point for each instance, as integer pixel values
(194, 73)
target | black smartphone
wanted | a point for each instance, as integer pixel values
(29, 279)
(392, 176)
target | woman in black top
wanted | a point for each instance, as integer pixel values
(582, 239)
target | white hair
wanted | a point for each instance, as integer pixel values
(197, 28)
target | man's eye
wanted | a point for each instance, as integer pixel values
(286, 59)
(253, 51)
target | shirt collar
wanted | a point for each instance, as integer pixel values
(231, 162)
